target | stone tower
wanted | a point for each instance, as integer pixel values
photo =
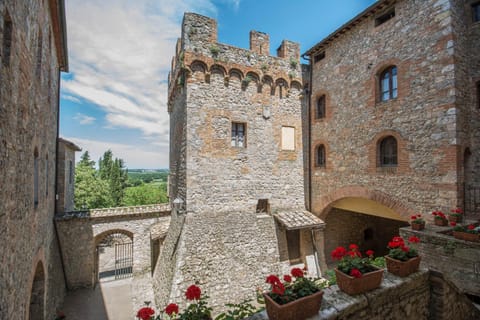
(236, 163)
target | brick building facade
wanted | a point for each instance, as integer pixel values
(393, 116)
(32, 54)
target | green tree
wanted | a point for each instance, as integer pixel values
(114, 173)
(145, 194)
(90, 191)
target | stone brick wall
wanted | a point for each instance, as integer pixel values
(457, 260)
(397, 299)
(346, 227)
(80, 235)
(28, 128)
(65, 177)
(424, 117)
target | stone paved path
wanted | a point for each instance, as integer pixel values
(111, 300)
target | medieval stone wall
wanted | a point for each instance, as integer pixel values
(29, 78)
(65, 177)
(423, 118)
(223, 241)
(80, 236)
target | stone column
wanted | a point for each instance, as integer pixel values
(319, 246)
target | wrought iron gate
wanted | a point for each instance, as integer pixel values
(123, 260)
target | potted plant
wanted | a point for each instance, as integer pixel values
(402, 260)
(440, 218)
(297, 297)
(197, 310)
(455, 215)
(356, 274)
(417, 222)
(467, 233)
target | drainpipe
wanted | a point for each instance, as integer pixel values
(315, 253)
(62, 263)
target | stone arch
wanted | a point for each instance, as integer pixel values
(281, 87)
(198, 70)
(37, 289)
(236, 73)
(218, 69)
(268, 81)
(97, 246)
(294, 84)
(253, 76)
(326, 202)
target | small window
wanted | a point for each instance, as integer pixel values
(38, 67)
(320, 156)
(7, 40)
(46, 175)
(238, 135)
(320, 110)
(476, 12)
(478, 94)
(388, 152)
(288, 138)
(263, 206)
(70, 172)
(388, 84)
(35, 177)
(318, 57)
(385, 17)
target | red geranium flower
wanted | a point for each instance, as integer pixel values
(287, 278)
(171, 309)
(193, 292)
(414, 239)
(471, 227)
(353, 247)
(453, 223)
(369, 253)
(338, 253)
(272, 279)
(278, 288)
(355, 273)
(297, 272)
(145, 313)
(405, 249)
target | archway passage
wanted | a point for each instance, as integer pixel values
(114, 256)
(37, 295)
(364, 222)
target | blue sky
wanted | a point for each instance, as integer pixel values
(120, 52)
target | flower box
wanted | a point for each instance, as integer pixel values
(299, 309)
(402, 268)
(454, 218)
(351, 285)
(418, 226)
(441, 222)
(475, 237)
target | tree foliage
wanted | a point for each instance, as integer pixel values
(109, 186)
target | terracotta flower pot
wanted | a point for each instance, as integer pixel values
(454, 218)
(402, 268)
(352, 285)
(418, 226)
(441, 222)
(299, 309)
(466, 236)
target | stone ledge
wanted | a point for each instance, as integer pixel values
(393, 290)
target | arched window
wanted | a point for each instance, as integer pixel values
(35, 177)
(320, 156)
(388, 84)
(388, 152)
(320, 109)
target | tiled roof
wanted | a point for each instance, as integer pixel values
(298, 219)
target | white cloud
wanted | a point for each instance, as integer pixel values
(135, 156)
(71, 98)
(84, 119)
(120, 53)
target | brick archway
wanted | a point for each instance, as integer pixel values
(325, 203)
